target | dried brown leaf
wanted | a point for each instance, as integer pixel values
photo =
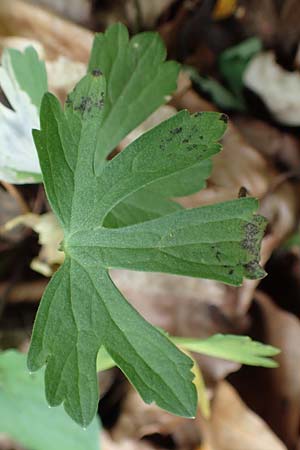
(235, 427)
(282, 329)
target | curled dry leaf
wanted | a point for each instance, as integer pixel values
(235, 427)
(278, 88)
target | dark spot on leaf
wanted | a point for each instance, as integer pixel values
(100, 102)
(84, 105)
(198, 114)
(230, 271)
(96, 73)
(224, 118)
(87, 103)
(185, 141)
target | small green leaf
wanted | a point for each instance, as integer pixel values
(220, 95)
(26, 417)
(139, 81)
(234, 61)
(240, 349)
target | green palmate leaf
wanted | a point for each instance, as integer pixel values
(234, 348)
(220, 95)
(75, 324)
(139, 81)
(26, 417)
(82, 309)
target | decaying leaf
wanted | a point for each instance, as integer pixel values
(283, 329)
(233, 426)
